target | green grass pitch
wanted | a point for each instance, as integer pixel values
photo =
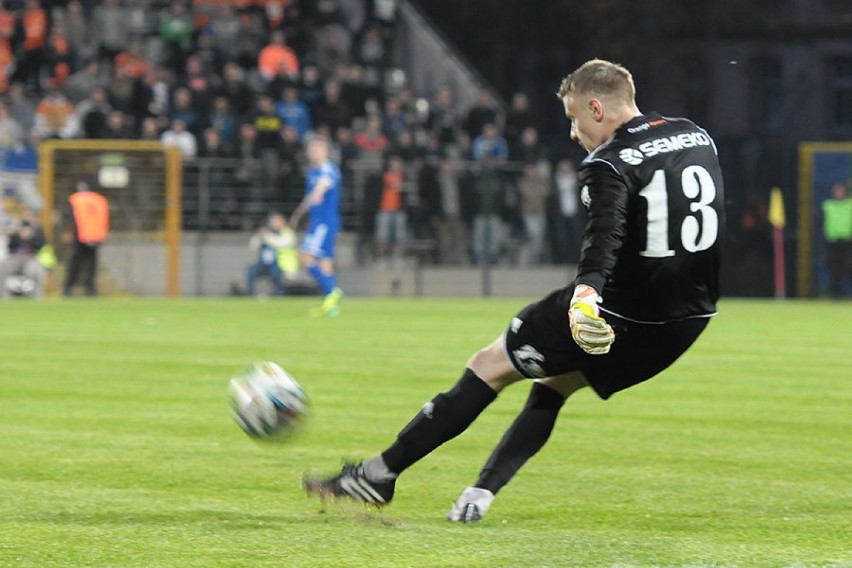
(117, 448)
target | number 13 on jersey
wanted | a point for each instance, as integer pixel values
(699, 229)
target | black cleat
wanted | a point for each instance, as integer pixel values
(352, 482)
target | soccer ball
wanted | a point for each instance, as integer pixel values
(267, 403)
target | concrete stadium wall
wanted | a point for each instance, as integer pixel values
(214, 264)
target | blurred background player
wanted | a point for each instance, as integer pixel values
(649, 269)
(322, 203)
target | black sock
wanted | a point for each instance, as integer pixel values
(523, 439)
(442, 419)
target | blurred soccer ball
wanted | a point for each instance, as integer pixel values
(267, 403)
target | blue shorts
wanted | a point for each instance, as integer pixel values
(319, 241)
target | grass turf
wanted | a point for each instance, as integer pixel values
(118, 450)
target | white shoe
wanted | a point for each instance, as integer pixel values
(471, 505)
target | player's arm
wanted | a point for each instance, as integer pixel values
(313, 197)
(604, 236)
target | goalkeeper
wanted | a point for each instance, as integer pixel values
(646, 286)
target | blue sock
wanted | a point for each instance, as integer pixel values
(326, 282)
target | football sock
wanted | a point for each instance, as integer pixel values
(526, 436)
(441, 419)
(326, 282)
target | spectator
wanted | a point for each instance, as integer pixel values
(518, 118)
(332, 110)
(277, 56)
(183, 108)
(490, 193)
(89, 221)
(10, 131)
(333, 47)
(249, 41)
(371, 144)
(223, 122)
(394, 120)
(568, 225)
(24, 244)
(176, 34)
(482, 113)
(452, 229)
(372, 53)
(528, 150)
(297, 30)
(267, 124)
(149, 129)
(153, 94)
(21, 108)
(356, 92)
(489, 144)
(58, 56)
(119, 126)
(290, 157)
(274, 244)
(273, 13)
(248, 153)
(110, 26)
(837, 229)
(7, 26)
(293, 111)
(443, 120)
(238, 93)
(78, 33)
(534, 189)
(311, 88)
(34, 24)
(390, 218)
(198, 82)
(225, 30)
(93, 113)
(55, 117)
(208, 52)
(122, 89)
(81, 83)
(179, 136)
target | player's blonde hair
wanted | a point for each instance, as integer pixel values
(601, 79)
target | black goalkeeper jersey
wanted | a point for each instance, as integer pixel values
(656, 221)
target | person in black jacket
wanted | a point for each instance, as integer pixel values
(646, 287)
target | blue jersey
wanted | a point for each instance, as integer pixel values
(327, 212)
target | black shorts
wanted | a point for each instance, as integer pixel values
(539, 344)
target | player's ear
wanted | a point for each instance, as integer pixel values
(596, 109)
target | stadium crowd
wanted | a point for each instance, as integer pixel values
(237, 86)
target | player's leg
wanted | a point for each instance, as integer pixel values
(524, 438)
(441, 419)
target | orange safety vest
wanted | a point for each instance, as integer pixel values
(91, 215)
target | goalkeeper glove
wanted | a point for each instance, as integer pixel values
(589, 330)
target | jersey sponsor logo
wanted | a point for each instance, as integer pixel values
(674, 143)
(646, 125)
(428, 409)
(632, 156)
(585, 198)
(529, 359)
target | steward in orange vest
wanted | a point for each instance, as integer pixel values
(90, 216)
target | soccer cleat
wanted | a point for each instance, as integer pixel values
(330, 305)
(352, 482)
(471, 505)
